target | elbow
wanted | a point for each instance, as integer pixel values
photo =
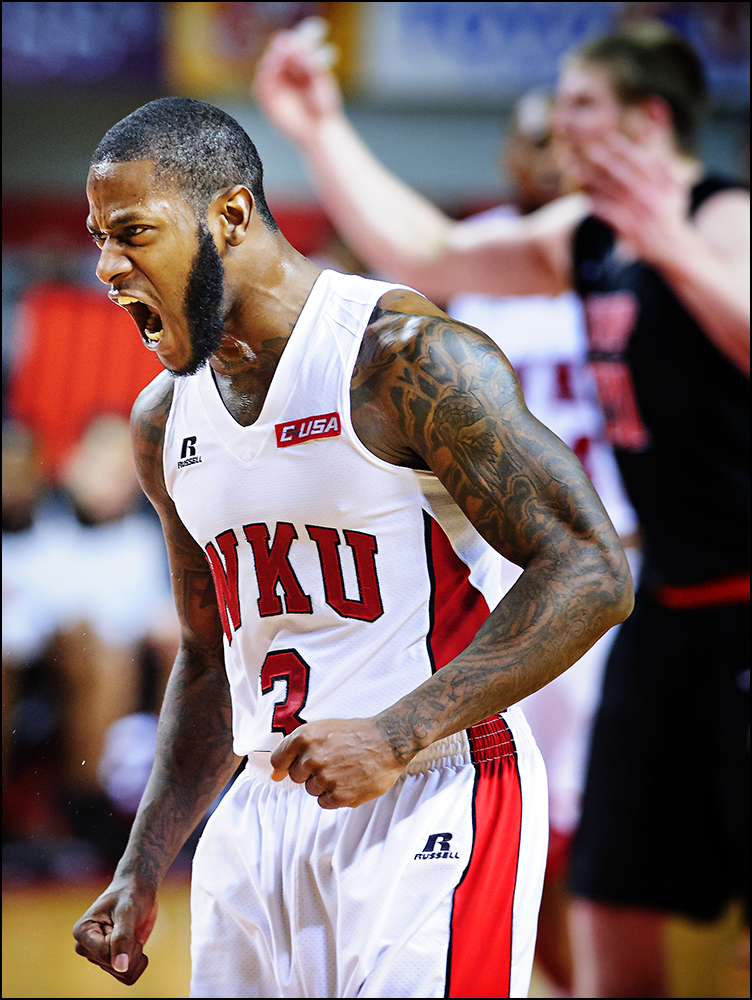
(618, 587)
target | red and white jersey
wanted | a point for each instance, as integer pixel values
(342, 581)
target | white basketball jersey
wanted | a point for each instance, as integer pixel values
(342, 581)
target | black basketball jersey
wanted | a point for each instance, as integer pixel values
(676, 410)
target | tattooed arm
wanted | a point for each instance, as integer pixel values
(194, 758)
(431, 393)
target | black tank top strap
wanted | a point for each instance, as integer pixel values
(593, 238)
(711, 185)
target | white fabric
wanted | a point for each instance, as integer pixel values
(319, 903)
(289, 899)
(357, 668)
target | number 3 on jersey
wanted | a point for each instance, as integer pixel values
(286, 665)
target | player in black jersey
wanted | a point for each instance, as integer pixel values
(660, 253)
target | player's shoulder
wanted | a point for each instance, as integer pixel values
(409, 339)
(408, 322)
(415, 367)
(723, 217)
(407, 302)
(148, 422)
(152, 405)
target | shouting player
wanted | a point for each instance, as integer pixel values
(337, 466)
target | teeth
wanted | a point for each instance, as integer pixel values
(152, 335)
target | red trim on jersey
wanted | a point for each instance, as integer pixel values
(480, 957)
(458, 609)
(708, 594)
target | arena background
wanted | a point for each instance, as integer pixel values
(430, 86)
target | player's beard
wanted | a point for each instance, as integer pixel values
(203, 303)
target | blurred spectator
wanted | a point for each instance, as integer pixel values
(88, 631)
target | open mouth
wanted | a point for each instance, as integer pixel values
(147, 319)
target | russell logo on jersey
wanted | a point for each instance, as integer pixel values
(188, 454)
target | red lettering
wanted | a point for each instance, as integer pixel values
(624, 426)
(564, 382)
(610, 319)
(368, 607)
(272, 567)
(287, 665)
(226, 580)
(582, 448)
(297, 431)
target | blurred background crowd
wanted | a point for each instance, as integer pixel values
(454, 98)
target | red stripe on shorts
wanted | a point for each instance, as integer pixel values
(480, 950)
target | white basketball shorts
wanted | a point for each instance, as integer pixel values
(431, 890)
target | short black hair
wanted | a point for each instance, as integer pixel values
(649, 59)
(195, 146)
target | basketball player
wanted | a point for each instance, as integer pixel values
(337, 466)
(660, 254)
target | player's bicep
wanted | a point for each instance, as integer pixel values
(524, 255)
(519, 485)
(484, 259)
(724, 221)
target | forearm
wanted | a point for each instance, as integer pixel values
(714, 290)
(546, 622)
(193, 762)
(389, 225)
(403, 236)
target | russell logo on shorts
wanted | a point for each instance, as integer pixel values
(437, 846)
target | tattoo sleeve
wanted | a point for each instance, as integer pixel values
(456, 407)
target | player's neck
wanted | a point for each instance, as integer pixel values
(266, 288)
(266, 308)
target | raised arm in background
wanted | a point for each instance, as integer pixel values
(395, 230)
(625, 158)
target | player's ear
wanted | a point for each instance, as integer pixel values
(230, 213)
